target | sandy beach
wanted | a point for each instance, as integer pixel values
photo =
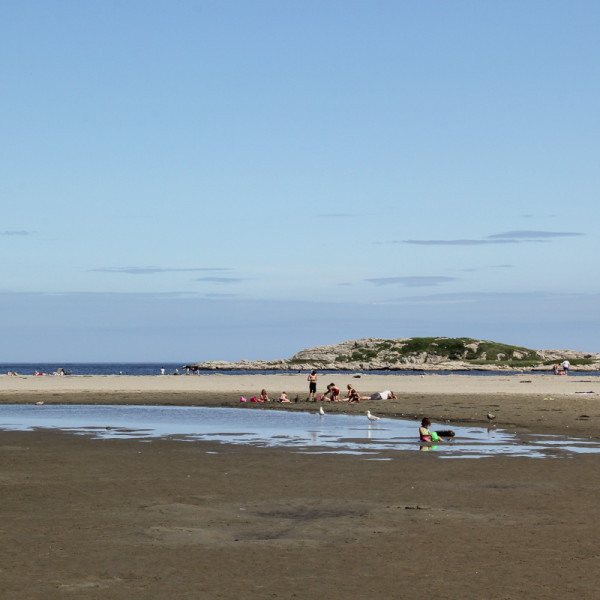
(541, 403)
(124, 519)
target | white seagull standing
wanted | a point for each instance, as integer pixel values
(372, 417)
(321, 411)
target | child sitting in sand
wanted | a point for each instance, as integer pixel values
(284, 398)
(353, 396)
(334, 393)
(425, 434)
(264, 397)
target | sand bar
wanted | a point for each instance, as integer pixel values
(541, 403)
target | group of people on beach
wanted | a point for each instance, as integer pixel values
(565, 368)
(332, 394)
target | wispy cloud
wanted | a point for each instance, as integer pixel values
(507, 237)
(337, 215)
(532, 235)
(477, 270)
(457, 242)
(15, 233)
(217, 296)
(416, 281)
(153, 270)
(531, 216)
(220, 279)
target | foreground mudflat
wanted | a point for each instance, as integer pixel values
(124, 519)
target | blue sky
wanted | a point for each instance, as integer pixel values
(195, 180)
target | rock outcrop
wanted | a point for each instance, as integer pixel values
(370, 354)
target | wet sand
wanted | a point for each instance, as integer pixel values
(124, 519)
(539, 403)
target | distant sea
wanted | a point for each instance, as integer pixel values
(170, 368)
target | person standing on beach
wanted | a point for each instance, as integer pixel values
(312, 385)
(566, 364)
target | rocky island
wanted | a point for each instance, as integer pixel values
(421, 353)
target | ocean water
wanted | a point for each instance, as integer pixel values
(91, 368)
(155, 369)
(300, 432)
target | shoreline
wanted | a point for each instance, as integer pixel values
(528, 403)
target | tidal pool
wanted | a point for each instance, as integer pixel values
(301, 431)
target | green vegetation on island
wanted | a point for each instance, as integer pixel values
(468, 350)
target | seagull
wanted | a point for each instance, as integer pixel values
(321, 411)
(490, 416)
(372, 417)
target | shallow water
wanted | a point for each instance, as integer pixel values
(303, 432)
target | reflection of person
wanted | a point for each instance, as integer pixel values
(312, 384)
(566, 364)
(384, 396)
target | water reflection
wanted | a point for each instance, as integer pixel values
(304, 432)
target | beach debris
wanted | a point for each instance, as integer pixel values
(491, 416)
(321, 411)
(372, 417)
(39, 403)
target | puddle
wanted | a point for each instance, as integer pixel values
(303, 432)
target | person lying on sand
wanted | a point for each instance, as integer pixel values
(387, 395)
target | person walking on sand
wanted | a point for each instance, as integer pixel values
(312, 385)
